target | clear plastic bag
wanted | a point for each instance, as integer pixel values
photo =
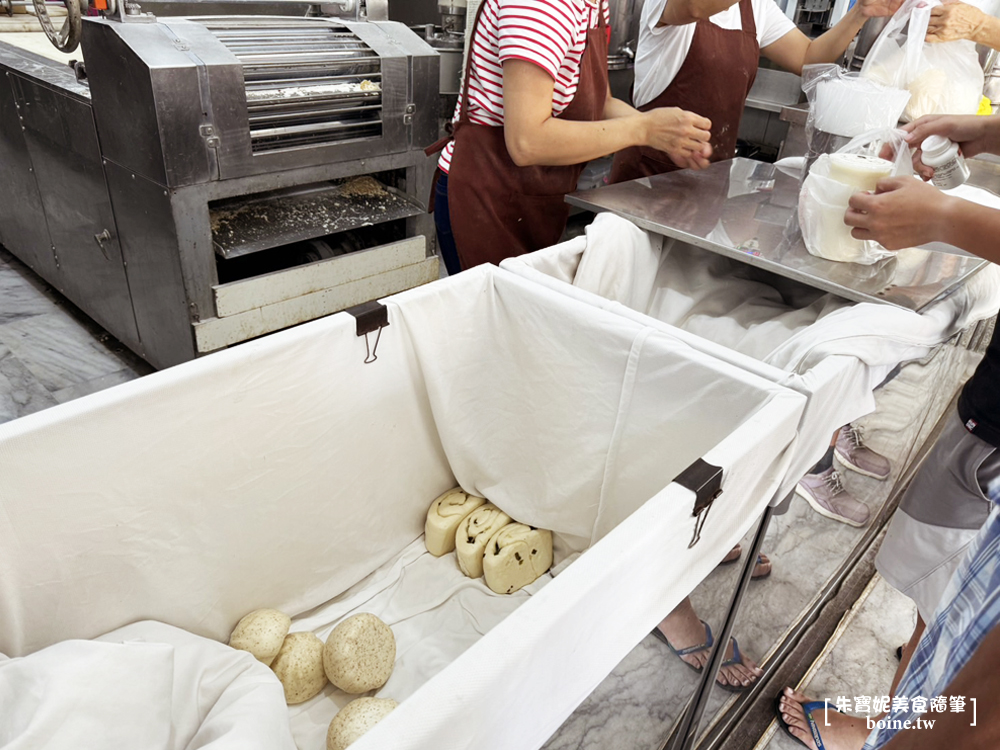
(844, 105)
(825, 194)
(942, 78)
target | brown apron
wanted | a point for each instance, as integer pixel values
(499, 209)
(714, 82)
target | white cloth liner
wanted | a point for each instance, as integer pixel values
(147, 685)
(833, 351)
(286, 473)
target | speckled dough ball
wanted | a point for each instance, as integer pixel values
(356, 718)
(299, 666)
(261, 633)
(359, 654)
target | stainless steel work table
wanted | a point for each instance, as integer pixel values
(747, 210)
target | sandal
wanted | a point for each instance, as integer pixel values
(679, 652)
(737, 657)
(807, 709)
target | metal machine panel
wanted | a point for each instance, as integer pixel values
(186, 81)
(149, 242)
(123, 101)
(22, 220)
(62, 141)
(153, 95)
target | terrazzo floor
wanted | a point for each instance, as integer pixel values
(861, 661)
(50, 352)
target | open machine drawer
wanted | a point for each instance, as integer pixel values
(288, 473)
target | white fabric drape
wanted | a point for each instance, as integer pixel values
(833, 351)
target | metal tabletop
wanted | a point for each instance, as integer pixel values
(747, 210)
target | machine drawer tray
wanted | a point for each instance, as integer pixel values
(248, 225)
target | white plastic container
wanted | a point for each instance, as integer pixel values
(859, 171)
(950, 169)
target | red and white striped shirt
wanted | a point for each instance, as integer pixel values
(549, 33)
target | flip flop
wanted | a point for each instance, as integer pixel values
(737, 657)
(807, 708)
(679, 652)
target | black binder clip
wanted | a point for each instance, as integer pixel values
(371, 317)
(705, 481)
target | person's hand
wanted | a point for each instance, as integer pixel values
(879, 8)
(902, 213)
(694, 161)
(974, 134)
(953, 21)
(683, 135)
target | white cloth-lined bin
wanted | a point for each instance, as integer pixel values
(287, 473)
(832, 351)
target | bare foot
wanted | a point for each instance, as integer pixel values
(734, 554)
(763, 566)
(761, 569)
(683, 630)
(844, 733)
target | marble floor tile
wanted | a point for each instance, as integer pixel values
(58, 350)
(635, 707)
(97, 384)
(20, 392)
(19, 297)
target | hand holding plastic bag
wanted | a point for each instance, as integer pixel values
(943, 78)
(833, 179)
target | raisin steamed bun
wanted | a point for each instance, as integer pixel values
(359, 654)
(474, 533)
(444, 517)
(516, 556)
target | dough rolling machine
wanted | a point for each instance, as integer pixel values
(200, 181)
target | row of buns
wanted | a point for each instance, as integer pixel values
(487, 542)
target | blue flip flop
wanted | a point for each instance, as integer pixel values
(807, 708)
(737, 657)
(679, 652)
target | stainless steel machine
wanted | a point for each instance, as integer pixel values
(201, 181)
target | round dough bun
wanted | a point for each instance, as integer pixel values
(359, 654)
(299, 666)
(261, 633)
(356, 718)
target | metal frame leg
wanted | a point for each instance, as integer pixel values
(687, 735)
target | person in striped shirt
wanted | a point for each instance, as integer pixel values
(535, 107)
